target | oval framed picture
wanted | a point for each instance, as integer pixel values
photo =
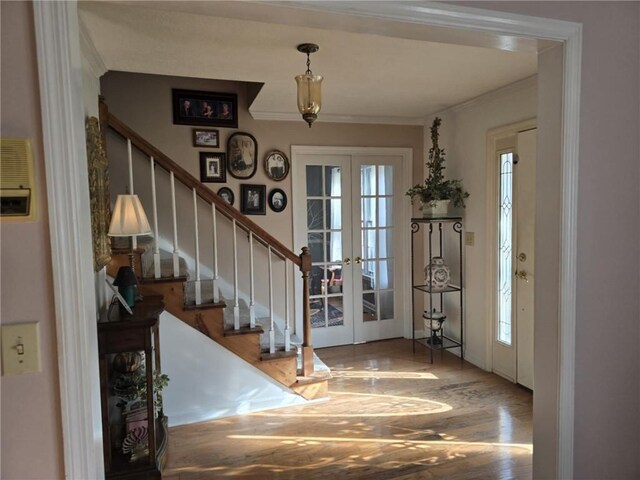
(242, 155)
(277, 200)
(276, 165)
(227, 195)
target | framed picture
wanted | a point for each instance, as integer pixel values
(206, 138)
(242, 153)
(276, 165)
(192, 107)
(277, 200)
(252, 199)
(213, 167)
(227, 195)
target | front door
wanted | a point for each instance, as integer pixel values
(513, 342)
(350, 223)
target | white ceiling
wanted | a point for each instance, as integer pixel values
(397, 77)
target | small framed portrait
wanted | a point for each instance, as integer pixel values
(253, 199)
(276, 165)
(213, 167)
(192, 107)
(205, 138)
(242, 153)
(277, 200)
(227, 195)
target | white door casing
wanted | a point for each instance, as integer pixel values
(54, 24)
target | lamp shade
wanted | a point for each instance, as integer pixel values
(309, 96)
(129, 219)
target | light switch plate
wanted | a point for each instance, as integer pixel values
(16, 338)
(469, 239)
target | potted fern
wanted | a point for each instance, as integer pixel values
(436, 194)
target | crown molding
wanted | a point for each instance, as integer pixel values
(334, 118)
(90, 52)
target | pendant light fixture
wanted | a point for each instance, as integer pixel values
(309, 96)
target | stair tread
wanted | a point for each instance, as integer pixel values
(180, 279)
(204, 306)
(266, 356)
(243, 331)
(313, 378)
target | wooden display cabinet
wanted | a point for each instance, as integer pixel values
(129, 352)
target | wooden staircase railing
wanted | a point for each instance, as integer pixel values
(176, 172)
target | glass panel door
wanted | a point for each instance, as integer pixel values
(327, 214)
(376, 208)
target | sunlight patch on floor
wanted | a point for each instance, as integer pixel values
(346, 373)
(374, 405)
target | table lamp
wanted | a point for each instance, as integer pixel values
(128, 220)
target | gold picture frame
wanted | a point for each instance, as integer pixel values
(99, 194)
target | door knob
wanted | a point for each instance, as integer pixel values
(347, 261)
(522, 275)
(522, 257)
(357, 260)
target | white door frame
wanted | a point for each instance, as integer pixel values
(59, 66)
(404, 258)
(491, 252)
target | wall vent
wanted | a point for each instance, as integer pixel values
(17, 188)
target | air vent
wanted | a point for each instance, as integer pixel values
(17, 195)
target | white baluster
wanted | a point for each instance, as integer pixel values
(156, 248)
(252, 301)
(236, 306)
(197, 246)
(287, 328)
(216, 295)
(272, 332)
(176, 251)
(134, 240)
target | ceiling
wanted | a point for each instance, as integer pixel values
(374, 71)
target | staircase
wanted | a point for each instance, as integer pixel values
(229, 317)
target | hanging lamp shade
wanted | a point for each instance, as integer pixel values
(309, 87)
(129, 219)
(309, 96)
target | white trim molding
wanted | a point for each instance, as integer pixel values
(334, 118)
(90, 52)
(59, 67)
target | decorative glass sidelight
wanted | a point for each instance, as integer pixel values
(505, 250)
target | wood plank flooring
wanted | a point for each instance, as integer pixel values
(392, 415)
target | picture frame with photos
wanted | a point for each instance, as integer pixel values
(194, 107)
(242, 155)
(213, 167)
(206, 137)
(277, 200)
(253, 199)
(276, 165)
(227, 195)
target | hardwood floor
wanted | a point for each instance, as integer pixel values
(392, 415)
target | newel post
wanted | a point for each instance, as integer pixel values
(307, 347)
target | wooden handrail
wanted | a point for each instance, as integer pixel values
(191, 182)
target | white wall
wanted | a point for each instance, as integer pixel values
(463, 134)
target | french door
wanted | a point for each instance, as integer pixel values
(348, 210)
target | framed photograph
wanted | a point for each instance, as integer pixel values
(252, 199)
(117, 295)
(227, 195)
(213, 167)
(242, 153)
(206, 138)
(277, 200)
(276, 165)
(192, 107)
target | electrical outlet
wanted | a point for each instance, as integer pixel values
(469, 239)
(20, 348)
